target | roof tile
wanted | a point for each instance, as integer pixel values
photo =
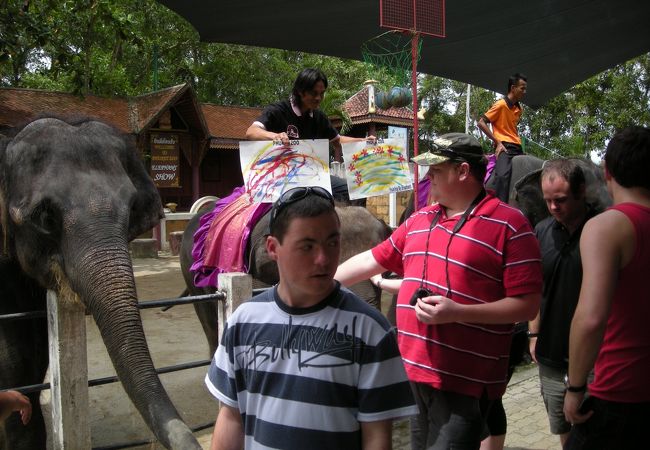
(229, 122)
(147, 106)
(357, 107)
(19, 106)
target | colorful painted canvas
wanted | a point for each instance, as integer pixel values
(269, 168)
(376, 169)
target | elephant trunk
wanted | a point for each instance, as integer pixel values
(103, 278)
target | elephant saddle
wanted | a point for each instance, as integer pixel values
(221, 239)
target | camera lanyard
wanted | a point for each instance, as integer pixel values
(457, 227)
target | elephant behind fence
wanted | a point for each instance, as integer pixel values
(72, 195)
(360, 230)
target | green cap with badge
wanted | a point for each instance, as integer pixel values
(454, 147)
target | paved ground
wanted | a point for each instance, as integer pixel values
(116, 421)
(527, 421)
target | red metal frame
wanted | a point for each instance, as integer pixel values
(391, 12)
(403, 5)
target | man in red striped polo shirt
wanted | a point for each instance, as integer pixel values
(471, 269)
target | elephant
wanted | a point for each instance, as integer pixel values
(72, 196)
(530, 200)
(522, 165)
(526, 188)
(360, 230)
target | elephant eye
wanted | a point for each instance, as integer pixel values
(45, 218)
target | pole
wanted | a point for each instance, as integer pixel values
(66, 325)
(414, 89)
(469, 90)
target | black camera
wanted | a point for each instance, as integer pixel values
(420, 293)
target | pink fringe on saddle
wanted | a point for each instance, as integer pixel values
(221, 239)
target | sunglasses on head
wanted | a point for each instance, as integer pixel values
(460, 156)
(294, 195)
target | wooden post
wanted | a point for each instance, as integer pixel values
(238, 288)
(158, 236)
(68, 372)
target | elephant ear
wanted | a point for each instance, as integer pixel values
(146, 210)
(596, 187)
(529, 198)
(4, 142)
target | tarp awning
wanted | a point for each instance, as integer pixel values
(556, 43)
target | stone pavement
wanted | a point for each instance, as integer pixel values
(528, 427)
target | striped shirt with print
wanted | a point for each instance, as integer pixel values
(305, 377)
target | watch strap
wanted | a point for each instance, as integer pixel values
(569, 388)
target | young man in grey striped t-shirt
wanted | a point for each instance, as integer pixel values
(307, 364)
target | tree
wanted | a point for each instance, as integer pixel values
(23, 28)
(118, 48)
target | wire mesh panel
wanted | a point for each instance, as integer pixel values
(391, 51)
(421, 16)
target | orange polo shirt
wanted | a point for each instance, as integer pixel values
(504, 117)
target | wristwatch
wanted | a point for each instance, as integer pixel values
(530, 334)
(570, 388)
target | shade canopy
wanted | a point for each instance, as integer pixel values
(555, 43)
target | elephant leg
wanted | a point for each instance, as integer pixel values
(368, 292)
(391, 314)
(31, 436)
(209, 318)
(23, 361)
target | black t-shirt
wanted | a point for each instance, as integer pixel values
(562, 268)
(280, 117)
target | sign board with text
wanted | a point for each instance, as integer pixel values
(165, 164)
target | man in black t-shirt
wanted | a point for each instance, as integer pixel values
(563, 187)
(299, 116)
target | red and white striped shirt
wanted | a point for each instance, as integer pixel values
(494, 255)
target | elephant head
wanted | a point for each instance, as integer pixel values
(530, 199)
(72, 196)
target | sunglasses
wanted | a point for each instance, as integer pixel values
(294, 195)
(460, 156)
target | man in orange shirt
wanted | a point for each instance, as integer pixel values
(504, 116)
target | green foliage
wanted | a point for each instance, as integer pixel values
(23, 27)
(107, 47)
(442, 98)
(581, 120)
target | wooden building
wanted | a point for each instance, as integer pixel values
(191, 149)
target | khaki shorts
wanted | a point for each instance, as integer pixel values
(551, 382)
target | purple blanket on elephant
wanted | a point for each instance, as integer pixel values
(220, 241)
(492, 162)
